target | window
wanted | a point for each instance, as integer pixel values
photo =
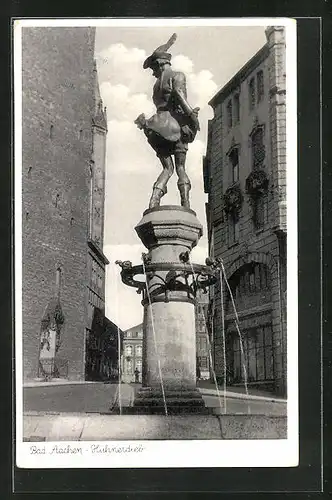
(260, 86)
(129, 335)
(257, 148)
(91, 187)
(128, 366)
(234, 163)
(129, 350)
(233, 229)
(252, 94)
(258, 355)
(229, 114)
(139, 365)
(260, 212)
(138, 350)
(203, 362)
(202, 343)
(236, 108)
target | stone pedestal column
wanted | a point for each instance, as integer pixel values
(169, 336)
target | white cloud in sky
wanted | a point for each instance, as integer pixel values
(182, 63)
(121, 64)
(124, 104)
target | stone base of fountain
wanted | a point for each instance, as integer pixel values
(108, 427)
(150, 401)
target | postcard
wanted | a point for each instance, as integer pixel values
(155, 243)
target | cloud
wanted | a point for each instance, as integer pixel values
(122, 104)
(182, 63)
(121, 64)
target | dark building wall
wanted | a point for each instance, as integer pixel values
(58, 106)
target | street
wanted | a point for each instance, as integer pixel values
(99, 398)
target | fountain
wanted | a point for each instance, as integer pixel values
(169, 405)
(169, 293)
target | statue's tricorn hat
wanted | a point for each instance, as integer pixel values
(160, 53)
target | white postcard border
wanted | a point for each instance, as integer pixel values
(188, 453)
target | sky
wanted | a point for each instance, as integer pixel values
(209, 56)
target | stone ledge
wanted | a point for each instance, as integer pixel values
(98, 427)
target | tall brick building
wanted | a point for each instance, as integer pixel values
(64, 135)
(245, 178)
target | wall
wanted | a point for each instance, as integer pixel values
(58, 105)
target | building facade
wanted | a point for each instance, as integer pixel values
(103, 349)
(245, 179)
(63, 178)
(132, 354)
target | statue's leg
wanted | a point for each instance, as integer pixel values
(160, 186)
(183, 179)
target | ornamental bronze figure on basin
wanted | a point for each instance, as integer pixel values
(174, 125)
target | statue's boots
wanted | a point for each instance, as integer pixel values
(184, 188)
(156, 196)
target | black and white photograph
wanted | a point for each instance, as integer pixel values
(156, 243)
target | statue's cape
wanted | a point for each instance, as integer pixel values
(165, 125)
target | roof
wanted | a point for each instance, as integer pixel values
(140, 326)
(241, 75)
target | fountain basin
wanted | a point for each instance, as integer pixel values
(106, 427)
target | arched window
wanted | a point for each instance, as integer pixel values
(129, 350)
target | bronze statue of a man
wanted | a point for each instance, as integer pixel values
(174, 125)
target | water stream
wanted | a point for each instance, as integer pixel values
(118, 393)
(222, 274)
(222, 406)
(119, 371)
(154, 339)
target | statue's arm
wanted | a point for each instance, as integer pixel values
(180, 92)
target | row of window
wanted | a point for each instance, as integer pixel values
(129, 350)
(256, 95)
